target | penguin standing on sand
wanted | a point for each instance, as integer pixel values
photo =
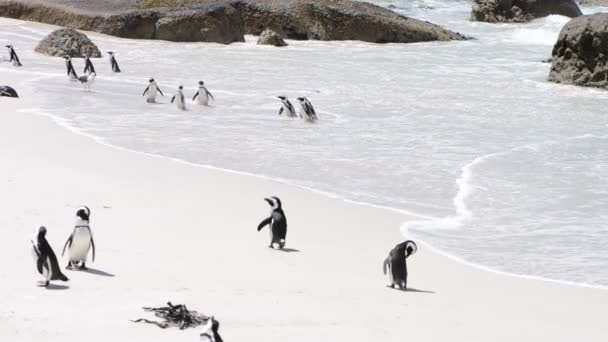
(13, 56)
(113, 62)
(277, 222)
(179, 99)
(46, 261)
(70, 69)
(87, 81)
(287, 107)
(202, 94)
(88, 66)
(151, 90)
(80, 241)
(210, 331)
(307, 111)
(395, 265)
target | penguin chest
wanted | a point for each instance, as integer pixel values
(81, 243)
(152, 93)
(202, 98)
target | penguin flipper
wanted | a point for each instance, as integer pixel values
(264, 223)
(68, 243)
(173, 99)
(145, 91)
(281, 110)
(93, 247)
(385, 265)
(210, 95)
(195, 95)
(157, 88)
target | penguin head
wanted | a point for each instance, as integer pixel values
(301, 99)
(281, 98)
(201, 83)
(9, 46)
(41, 232)
(410, 248)
(151, 80)
(84, 213)
(274, 202)
(67, 58)
(180, 87)
(110, 53)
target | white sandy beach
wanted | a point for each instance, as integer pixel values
(168, 231)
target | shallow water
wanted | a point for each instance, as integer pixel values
(503, 169)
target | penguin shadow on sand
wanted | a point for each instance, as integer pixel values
(287, 250)
(410, 289)
(97, 272)
(53, 287)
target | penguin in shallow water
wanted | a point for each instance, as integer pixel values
(210, 331)
(307, 111)
(151, 90)
(277, 222)
(8, 91)
(395, 265)
(179, 98)
(13, 58)
(88, 66)
(287, 107)
(46, 261)
(80, 241)
(202, 94)
(70, 69)
(87, 81)
(113, 62)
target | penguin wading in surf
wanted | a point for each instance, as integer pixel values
(202, 95)
(70, 69)
(179, 98)
(287, 107)
(45, 259)
(13, 58)
(395, 265)
(113, 62)
(277, 222)
(88, 66)
(80, 241)
(151, 90)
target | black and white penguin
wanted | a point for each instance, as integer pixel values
(307, 111)
(202, 94)
(113, 62)
(87, 81)
(151, 90)
(287, 107)
(13, 56)
(88, 66)
(80, 241)
(70, 69)
(8, 91)
(210, 331)
(395, 265)
(179, 98)
(46, 261)
(277, 222)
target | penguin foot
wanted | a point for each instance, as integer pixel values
(47, 283)
(392, 286)
(69, 266)
(82, 267)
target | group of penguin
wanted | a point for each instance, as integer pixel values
(201, 97)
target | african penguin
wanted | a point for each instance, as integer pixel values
(395, 265)
(286, 107)
(70, 69)
(203, 94)
(151, 90)
(87, 81)
(277, 222)
(80, 241)
(179, 99)
(307, 111)
(46, 261)
(13, 56)
(113, 62)
(88, 66)
(8, 91)
(210, 331)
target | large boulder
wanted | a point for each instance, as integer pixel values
(580, 55)
(226, 21)
(269, 37)
(505, 11)
(68, 42)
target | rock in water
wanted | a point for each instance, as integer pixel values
(68, 42)
(505, 11)
(269, 37)
(580, 56)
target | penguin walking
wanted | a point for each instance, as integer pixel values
(307, 111)
(151, 90)
(8, 91)
(179, 98)
(210, 331)
(13, 56)
(88, 66)
(113, 62)
(287, 107)
(80, 241)
(395, 265)
(277, 222)
(87, 81)
(46, 261)
(202, 94)
(70, 69)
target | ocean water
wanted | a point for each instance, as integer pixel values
(501, 168)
